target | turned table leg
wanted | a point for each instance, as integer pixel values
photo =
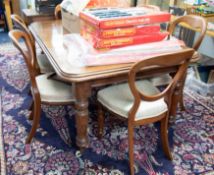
(82, 92)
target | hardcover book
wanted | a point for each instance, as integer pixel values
(100, 43)
(107, 18)
(119, 32)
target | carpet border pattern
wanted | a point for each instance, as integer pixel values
(2, 154)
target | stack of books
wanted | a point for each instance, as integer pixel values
(116, 27)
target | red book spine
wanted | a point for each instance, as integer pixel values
(132, 31)
(119, 32)
(146, 19)
(100, 43)
(128, 21)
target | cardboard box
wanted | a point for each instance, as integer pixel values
(70, 22)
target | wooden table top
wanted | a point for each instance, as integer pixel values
(49, 35)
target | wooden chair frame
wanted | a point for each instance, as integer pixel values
(193, 21)
(181, 60)
(19, 22)
(152, 7)
(57, 12)
(29, 57)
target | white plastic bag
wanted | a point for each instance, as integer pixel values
(197, 85)
(74, 6)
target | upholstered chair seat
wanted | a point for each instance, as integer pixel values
(44, 64)
(119, 99)
(161, 80)
(53, 91)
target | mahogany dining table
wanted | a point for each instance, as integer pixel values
(49, 36)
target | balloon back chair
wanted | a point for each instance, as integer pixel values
(151, 7)
(43, 89)
(42, 62)
(57, 12)
(194, 22)
(140, 102)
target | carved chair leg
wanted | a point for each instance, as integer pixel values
(182, 106)
(100, 121)
(164, 137)
(181, 100)
(36, 119)
(131, 148)
(32, 111)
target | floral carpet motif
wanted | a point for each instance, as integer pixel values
(53, 150)
(10, 71)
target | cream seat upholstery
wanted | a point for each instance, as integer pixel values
(52, 90)
(119, 99)
(161, 80)
(44, 64)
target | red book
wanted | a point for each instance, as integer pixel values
(118, 32)
(100, 43)
(106, 18)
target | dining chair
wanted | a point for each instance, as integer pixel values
(142, 2)
(151, 7)
(3, 21)
(57, 12)
(43, 89)
(195, 22)
(41, 60)
(176, 11)
(140, 102)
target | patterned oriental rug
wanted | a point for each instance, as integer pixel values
(53, 150)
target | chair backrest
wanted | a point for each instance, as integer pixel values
(176, 11)
(141, 2)
(26, 49)
(193, 21)
(178, 60)
(57, 12)
(20, 24)
(152, 7)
